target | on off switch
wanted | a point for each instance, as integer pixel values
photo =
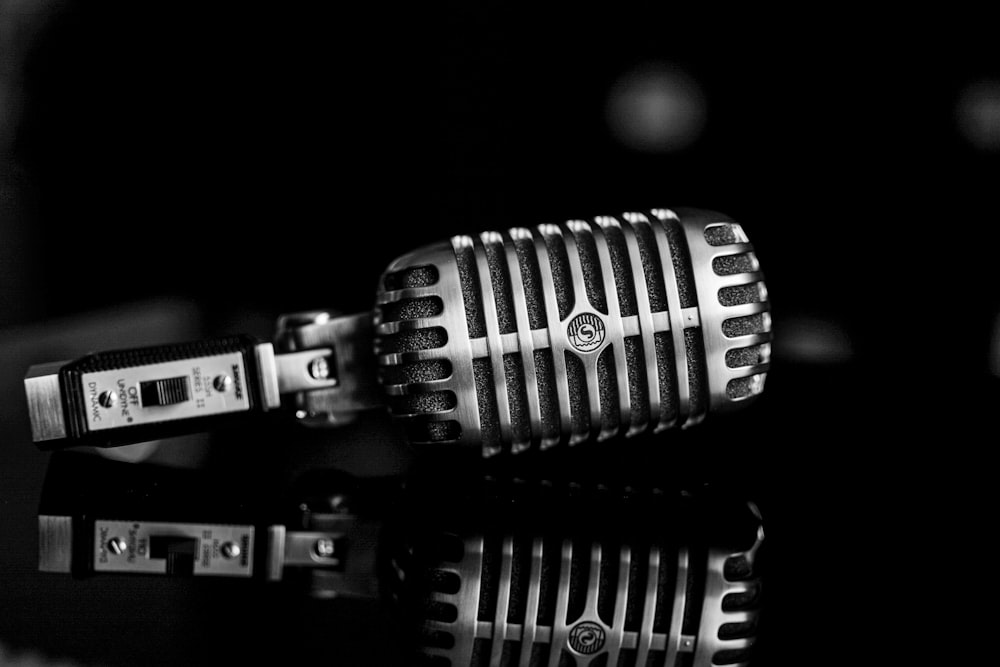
(167, 391)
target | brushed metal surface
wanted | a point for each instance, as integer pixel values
(55, 543)
(706, 316)
(45, 406)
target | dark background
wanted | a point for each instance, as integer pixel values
(236, 165)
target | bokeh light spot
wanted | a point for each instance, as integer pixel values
(811, 340)
(978, 114)
(656, 108)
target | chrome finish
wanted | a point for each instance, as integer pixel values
(706, 316)
(647, 320)
(615, 326)
(268, 376)
(524, 340)
(581, 305)
(55, 543)
(327, 361)
(318, 550)
(713, 313)
(459, 347)
(319, 369)
(676, 321)
(554, 339)
(299, 371)
(493, 340)
(345, 343)
(323, 548)
(107, 398)
(45, 406)
(222, 382)
(117, 545)
(275, 562)
(691, 317)
(311, 548)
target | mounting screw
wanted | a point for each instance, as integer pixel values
(324, 547)
(107, 398)
(231, 550)
(222, 383)
(319, 368)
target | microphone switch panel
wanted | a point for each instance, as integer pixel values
(165, 391)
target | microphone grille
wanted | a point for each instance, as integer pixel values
(581, 331)
(738, 341)
(416, 346)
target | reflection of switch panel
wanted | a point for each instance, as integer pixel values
(181, 549)
(179, 552)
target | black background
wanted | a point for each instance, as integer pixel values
(271, 160)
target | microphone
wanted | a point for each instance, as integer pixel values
(574, 332)
(564, 574)
(503, 342)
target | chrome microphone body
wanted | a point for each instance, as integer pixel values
(503, 342)
(582, 331)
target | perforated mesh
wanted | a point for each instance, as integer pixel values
(411, 309)
(728, 265)
(418, 276)
(412, 341)
(607, 382)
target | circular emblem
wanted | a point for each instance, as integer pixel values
(586, 332)
(586, 637)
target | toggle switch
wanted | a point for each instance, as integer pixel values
(167, 391)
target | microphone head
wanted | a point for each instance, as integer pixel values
(588, 330)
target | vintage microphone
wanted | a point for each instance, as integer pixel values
(502, 342)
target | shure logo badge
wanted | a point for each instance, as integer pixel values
(586, 332)
(237, 382)
(586, 638)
